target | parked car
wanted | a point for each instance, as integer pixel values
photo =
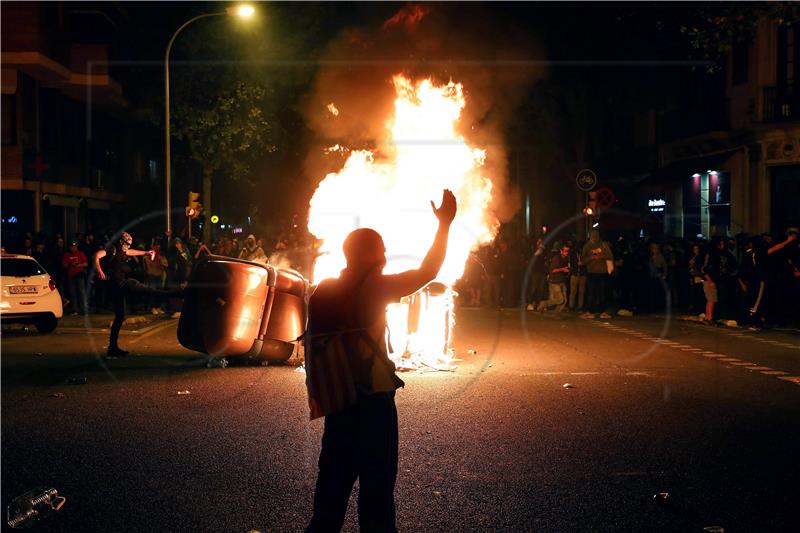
(30, 295)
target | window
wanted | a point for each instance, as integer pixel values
(20, 268)
(9, 111)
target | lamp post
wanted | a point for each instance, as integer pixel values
(242, 11)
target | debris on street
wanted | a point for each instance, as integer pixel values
(472, 351)
(33, 506)
(661, 497)
(568, 386)
(183, 392)
(301, 369)
(216, 362)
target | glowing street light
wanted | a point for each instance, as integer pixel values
(243, 11)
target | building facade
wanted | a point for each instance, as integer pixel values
(62, 112)
(744, 177)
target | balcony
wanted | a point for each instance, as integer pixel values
(781, 104)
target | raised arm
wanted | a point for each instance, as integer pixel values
(409, 282)
(97, 257)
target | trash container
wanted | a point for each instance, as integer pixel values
(237, 308)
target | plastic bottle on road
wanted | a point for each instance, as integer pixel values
(31, 507)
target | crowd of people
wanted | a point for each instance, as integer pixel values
(753, 280)
(69, 263)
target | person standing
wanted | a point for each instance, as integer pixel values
(352, 382)
(252, 251)
(116, 273)
(156, 270)
(696, 279)
(75, 263)
(597, 255)
(577, 280)
(657, 286)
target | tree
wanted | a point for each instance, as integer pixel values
(225, 133)
(718, 27)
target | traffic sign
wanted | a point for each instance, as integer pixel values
(586, 180)
(605, 198)
(214, 219)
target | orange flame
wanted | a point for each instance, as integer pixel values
(390, 192)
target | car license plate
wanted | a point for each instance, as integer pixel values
(22, 289)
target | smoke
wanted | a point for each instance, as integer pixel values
(467, 43)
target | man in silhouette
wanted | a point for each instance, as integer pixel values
(352, 382)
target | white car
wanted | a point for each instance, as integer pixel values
(29, 293)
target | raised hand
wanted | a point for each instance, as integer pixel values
(447, 210)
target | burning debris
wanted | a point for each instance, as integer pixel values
(423, 154)
(416, 114)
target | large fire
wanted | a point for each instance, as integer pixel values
(390, 190)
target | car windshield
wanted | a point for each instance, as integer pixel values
(20, 268)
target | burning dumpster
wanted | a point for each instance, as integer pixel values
(237, 308)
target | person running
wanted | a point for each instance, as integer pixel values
(352, 382)
(119, 285)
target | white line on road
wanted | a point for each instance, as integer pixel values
(775, 372)
(793, 379)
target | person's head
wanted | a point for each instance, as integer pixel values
(39, 247)
(594, 236)
(565, 250)
(90, 238)
(125, 241)
(721, 244)
(251, 242)
(59, 241)
(792, 231)
(27, 242)
(178, 243)
(73, 246)
(655, 249)
(696, 249)
(364, 249)
(768, 239)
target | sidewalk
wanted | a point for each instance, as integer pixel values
(103, 321)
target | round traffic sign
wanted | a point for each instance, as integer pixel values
(214, 219)
(605, 198)
(586, 180)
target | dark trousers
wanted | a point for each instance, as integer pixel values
(596, 292)
(358, 443)
(118, 293)
(77, 292)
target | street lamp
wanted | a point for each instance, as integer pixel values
(242, 11)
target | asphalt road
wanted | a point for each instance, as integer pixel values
(709, 415)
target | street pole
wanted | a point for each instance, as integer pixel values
(167, 155)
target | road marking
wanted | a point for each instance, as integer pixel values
(712, 355)
(775, 372)
(744, 363)
(157, 329)
(729, 359)
(759, 368)
(793, 379)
